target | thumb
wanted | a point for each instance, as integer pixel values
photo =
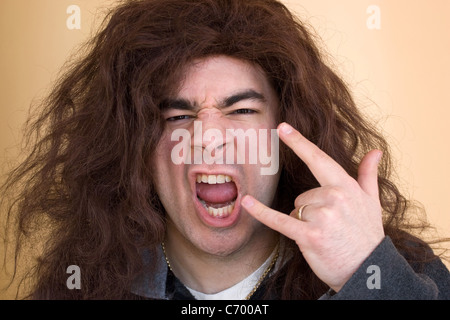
(368, 173)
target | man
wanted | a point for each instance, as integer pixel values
(146, 179)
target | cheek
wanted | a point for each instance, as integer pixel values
(266, 189)
(267, 174)
(161, 154)
(267, 150)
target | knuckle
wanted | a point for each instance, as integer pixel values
(318, 155)
(315, 236)
(299, 201)
(280, 220)
(324, 212)
(306, 197)
(326, 216)
(336, 194)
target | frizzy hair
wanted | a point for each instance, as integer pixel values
(88, 179)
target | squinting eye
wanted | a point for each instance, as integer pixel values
(244, 111)
(176, 118)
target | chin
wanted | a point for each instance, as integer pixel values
(223, 242)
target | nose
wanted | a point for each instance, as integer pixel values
(210, 132)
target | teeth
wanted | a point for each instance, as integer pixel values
(221, 212)
(213, 179)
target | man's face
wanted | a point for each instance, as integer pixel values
(217, 96)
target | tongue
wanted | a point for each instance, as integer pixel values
(217, 193)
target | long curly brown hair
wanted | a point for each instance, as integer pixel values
(87, 186)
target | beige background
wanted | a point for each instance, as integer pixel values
(397, 63)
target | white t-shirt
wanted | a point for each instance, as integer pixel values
(240, 290)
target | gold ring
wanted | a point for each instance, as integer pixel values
(300, 210)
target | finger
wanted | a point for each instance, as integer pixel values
(323, 167)
(309, 197)
(286, 225)
(368, 173)
(300, 213)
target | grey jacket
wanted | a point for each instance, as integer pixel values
(384, 275)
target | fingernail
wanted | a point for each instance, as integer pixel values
(285, 128)
(247, 202)
(380, 154)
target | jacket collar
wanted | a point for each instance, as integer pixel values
(152, 286)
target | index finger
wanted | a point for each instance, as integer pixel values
(283, 223)
(326, 170)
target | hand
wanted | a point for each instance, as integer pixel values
(342, 222)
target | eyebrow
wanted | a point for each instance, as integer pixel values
(184, 104)
(245, 95)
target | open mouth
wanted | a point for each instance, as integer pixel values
(217, 194)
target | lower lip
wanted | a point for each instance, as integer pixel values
(218, 222)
